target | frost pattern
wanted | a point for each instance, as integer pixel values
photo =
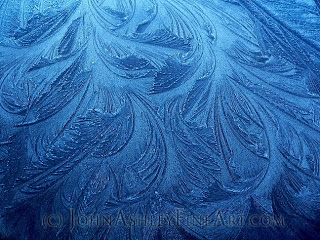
(149, 106)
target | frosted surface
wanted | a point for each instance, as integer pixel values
(173, 110)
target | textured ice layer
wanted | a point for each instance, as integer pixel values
(159, 119)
